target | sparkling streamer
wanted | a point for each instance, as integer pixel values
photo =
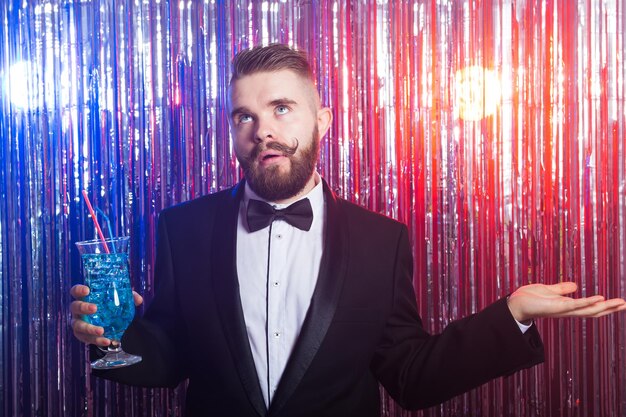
(494, 129)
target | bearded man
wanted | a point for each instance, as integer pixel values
(278, 298)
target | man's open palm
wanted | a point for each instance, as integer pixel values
(539, 300)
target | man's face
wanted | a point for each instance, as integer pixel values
(274, 120)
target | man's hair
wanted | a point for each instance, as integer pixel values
(270, 58)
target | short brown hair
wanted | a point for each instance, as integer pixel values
(270, 58)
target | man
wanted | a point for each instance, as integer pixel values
(278, 313)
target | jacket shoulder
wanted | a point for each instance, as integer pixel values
(203, 204)
(360, 215)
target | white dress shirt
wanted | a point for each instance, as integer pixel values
(294, 263)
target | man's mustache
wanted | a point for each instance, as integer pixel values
(275, 146)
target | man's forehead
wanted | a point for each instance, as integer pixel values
(281, 78)
(271, 87)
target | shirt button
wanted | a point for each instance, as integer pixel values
(276, 283)
(279, 236)
(277, 334)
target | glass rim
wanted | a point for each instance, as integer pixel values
(99, 241)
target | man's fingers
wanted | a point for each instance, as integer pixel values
(101, 341)
(137, 298)
(599, 309)
(578, 303)
(616, 302)
(94, 340)
(79, 308)
(83, 328)
(79, 291)
(83, 331)
(88, 333)
(612, 310)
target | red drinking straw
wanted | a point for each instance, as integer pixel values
(95, 220)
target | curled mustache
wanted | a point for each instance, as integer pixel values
(275, 146)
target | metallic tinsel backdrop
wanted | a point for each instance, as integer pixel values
(494, 128)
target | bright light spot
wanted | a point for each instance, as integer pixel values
(478, 93)
(66, 89)
(17, 84)
(177, 95)
(116, 297)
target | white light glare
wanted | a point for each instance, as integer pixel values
(16, 84)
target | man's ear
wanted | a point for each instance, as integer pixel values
(324, 119)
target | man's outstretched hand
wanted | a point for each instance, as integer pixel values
(539, 300)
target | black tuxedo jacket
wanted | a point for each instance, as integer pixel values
(362, 326)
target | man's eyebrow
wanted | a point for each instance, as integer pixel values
(239, 110)
(282, 102)
(276, 102)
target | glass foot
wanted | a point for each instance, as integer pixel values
(115, 358)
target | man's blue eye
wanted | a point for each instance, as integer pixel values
(245, 118)
(282, 109)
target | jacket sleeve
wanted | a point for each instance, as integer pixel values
(421, 370)
(154, 336)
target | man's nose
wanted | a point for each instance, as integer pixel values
(265, 131)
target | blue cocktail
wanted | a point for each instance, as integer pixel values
(106, 275)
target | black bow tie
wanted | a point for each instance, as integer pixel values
(261, 214)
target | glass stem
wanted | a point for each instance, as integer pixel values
(115, 346)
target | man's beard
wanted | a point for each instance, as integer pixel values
(272, 184)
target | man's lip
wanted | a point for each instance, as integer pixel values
(268, 154)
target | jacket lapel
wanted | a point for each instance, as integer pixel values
(323, 304)
(226, 289)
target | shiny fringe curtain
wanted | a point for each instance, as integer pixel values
(494, 128)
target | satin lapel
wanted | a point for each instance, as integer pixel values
(323, 304)
(226, 287)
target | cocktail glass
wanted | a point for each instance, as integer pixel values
(105, 270)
